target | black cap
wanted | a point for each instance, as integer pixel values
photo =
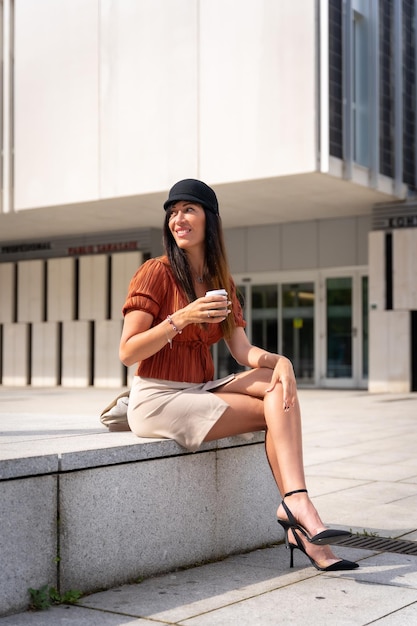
(194, 190)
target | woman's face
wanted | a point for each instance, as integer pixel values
(187, 223)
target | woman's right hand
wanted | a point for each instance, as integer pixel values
(211, 309)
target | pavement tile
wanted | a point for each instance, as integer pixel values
(182, 595)
(350, 598)
(330, 602)
(74, 616)
(406, 616)
(328, 485)
(349, 468)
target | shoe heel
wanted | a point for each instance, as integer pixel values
(286, 526)
(292, 548)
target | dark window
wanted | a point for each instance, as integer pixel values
(386, 100)
(409, 130)
(335, 79)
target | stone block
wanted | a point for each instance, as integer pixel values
(123, 522)
(28, 539)
(247, 500)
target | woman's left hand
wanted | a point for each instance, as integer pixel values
(284, 373)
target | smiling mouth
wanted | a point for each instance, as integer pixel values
(183, 232)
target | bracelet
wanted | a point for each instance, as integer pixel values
(170, 320)
(169, 340)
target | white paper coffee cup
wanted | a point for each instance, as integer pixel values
(217, 292)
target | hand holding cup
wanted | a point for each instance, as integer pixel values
(214, 311)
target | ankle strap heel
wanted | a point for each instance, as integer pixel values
(325, 537)
(290, 493)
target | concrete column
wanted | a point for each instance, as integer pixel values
(93, 288)
(15, 354)
(60, 290)
(404, 267)
(389, 353)
(76, 354)
(108, 370)
(7, 292)
(30, 291)
(45, 354)
(124, 265)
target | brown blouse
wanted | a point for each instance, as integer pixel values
(154, 289)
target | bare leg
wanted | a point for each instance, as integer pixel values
(252, 409)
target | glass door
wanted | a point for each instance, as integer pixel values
(264, 322)
(339, 326)
(344, 333)
(298, 328)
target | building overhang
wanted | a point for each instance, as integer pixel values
(299, 197)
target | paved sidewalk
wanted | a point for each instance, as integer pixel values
(361, 466)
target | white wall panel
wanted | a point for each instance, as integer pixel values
(108, 369)
(235, 240)
(60, 289)
(15, 354)
(363, 228)
(7, 292)
(93, 287)
(76, 354)
(263, 248)
(405, 269)
(30, 291)
(149, 94)
(299, 245)
(124, 265)
(257, 88)
(378, 351)
(389, 352)
(377, 291)
(56, 102)
(229, 95)
(45, 354)
(337, 242)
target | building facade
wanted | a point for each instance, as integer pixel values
(300, 114)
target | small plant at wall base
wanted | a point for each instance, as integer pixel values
(46, 596)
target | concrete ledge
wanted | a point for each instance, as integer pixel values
(111, 509)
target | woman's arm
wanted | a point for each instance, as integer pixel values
(140, 339)
(247, 354)
(252, 356)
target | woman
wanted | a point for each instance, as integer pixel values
(169, 325)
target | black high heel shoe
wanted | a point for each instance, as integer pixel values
(324, 538)
(343, 564)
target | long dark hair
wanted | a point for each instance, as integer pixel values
(216, 271)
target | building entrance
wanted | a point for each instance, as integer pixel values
(319, 321)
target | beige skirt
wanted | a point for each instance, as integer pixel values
(184, 412)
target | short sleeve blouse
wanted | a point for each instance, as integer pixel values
(154, 289)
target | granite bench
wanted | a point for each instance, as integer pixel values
(108, 509)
